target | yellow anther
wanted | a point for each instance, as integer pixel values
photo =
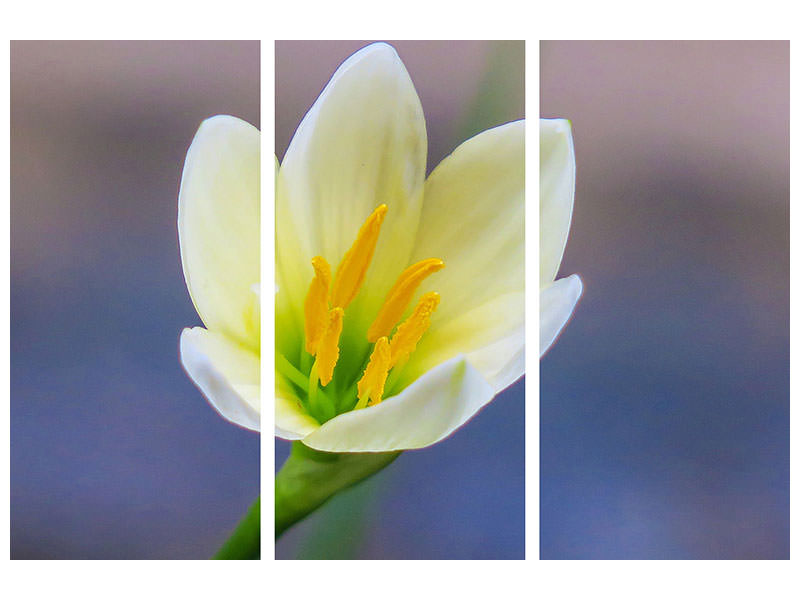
(405, 339)
(400, 295)
(353, 268)
(371, 384)
(328, 348)
(316, 306)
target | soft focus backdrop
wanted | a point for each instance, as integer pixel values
(463, 497)
(114, 452)
(665, 403)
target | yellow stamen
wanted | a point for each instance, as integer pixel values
(328, 348)
(400, 295)
(353, 268)
(371, 384)
(316, 306)
(405, 339)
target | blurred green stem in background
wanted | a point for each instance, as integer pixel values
(500, 93)
(309, 478)
(245, 541)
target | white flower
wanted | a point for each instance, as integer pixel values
(557, 299)
(441, 257)
(218, 230)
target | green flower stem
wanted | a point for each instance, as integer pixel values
(308, 478)
(245, 541)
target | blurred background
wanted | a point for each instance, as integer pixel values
(665, 403)
(114, 452)
(465, 496)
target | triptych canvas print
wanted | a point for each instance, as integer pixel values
(353, 295)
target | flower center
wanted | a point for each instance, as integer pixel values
(325, 307)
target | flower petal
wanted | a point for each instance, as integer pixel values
(474, 220)
(218, 226)
(227, 373)
(424, 413)
(556, 303)
(291, 421)
(362, 144)
(556, 194)
(491, 336)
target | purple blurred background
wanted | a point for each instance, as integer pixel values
(665, 403)
(114, 453)
(463, 497)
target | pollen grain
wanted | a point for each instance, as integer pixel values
(400, 295)
(405, 339)
(370, 386)
(316, 305)
(328, 348)
(352, 270)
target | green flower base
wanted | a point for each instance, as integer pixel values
(309, 478)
